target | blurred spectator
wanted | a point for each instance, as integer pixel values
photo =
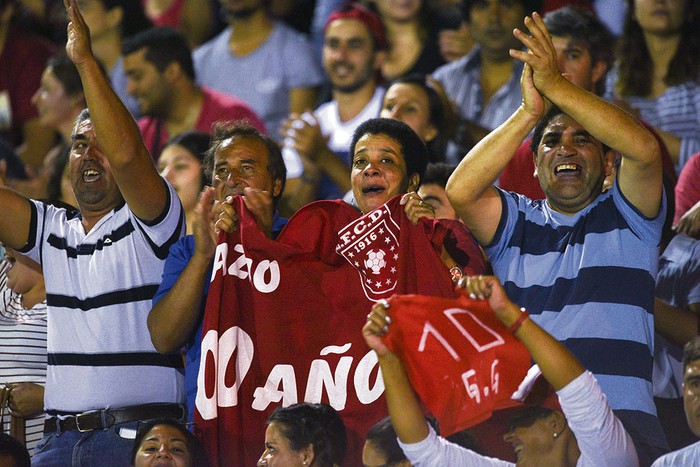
(318, 165)
(44, 17)
(432, 190)
(161, 77)
(193, 18)
(657, 74)
(484, 84)
(420, 102)
(59, 100)
(181, 164)
(110, 22)
(23, 336)
(13, 165)
(688, 189)
(262, 61)
(23, 57)
(691, 402)
(412, 29)
(676, 311)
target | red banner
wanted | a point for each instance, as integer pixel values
(462, 362)
(283, 318)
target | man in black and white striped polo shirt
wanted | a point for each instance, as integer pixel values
(101, 268)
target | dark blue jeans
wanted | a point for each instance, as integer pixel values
(104, 448)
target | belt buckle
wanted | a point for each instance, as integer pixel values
(77, 421)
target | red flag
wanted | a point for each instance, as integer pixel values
(283, 319)
(462, 362)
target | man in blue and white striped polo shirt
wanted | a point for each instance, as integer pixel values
(101, 268)
(582, 261)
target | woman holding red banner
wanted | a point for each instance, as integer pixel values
(584, 433)
(340, 261)
(388, 159)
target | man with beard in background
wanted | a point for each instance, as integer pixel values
(353, 51)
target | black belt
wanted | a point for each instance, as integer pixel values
(101, 419)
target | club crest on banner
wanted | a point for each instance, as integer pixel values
(371, 245)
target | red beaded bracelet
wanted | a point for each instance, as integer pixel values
(519, 322)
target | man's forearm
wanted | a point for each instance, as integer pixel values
(174, 318)
(481, 167)
(606, 122)
(115, 128)
(404, 407)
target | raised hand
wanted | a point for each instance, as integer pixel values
(541, 54)
(533, 102)
(260, 204)
(489, 288)
(227, 219)
(377, 325)
(305, 132)
(415, 207)
(203, 225)
(26, 399)
(78, 46)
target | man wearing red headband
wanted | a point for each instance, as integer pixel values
(353, 51)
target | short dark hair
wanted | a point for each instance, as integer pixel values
(9, 446)
(383, 438)
(585, 28)
(163, 46)
(529, 5)
(197, 453)
(223, 130)
(691, 352)
(551, 114)
(197, 143)
(437, 173)
(316, 424)
(414, 151)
